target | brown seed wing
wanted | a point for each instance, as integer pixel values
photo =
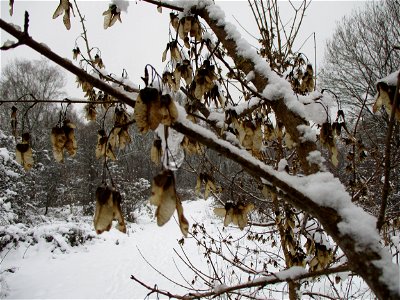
(167, 206)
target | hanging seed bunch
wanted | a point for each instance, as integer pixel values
(173, 48)
(183, 70)
(63, 138)
(119, 136)
(163, 195)
(98, 61)
(307, 81)
(108, 208)
(75, 52)
(65, 8)
(327, 140)
(209, 185)
(151, 110)
(235, 213)
(156, 151)
(169, 79)
(23, 152)
(14, 121)
(189, 25)
(214, 96)
(103, 147)
(111, 15)
(319, 248)
(203, 80)
(301, 76)
(191, 146)
(250, 135)
(386, 94)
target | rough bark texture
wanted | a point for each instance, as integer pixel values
(290, 119)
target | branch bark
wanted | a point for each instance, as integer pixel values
(388, 142)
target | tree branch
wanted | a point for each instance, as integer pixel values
(388, 142)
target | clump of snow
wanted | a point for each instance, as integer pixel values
(8, 43)
(315, 157)
(291, 273)
(219, 288)
(16, 27)
(391, 79)
(250, 76)
(4, 154)
(282, 165)
(218, 118)
(307, 134)
(121, 4)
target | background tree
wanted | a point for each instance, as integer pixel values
(364, 49)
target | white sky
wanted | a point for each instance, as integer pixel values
(143, 35)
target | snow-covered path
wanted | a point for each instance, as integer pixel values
(102, 267)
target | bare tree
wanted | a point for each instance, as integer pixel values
(23, 80)
(242, 132)
(364, 49)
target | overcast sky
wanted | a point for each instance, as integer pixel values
(143, 33)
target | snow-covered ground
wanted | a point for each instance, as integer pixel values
(101, 268)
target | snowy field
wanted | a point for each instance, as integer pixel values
(102, 266)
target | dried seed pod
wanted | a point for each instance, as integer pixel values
(174, 20)
(108, 208)
(174, 50)
(204, 79)
(183, 223)
(209, 185)
(14, 120)
(58, 139)
(156, 152)
(64, 7)
(98, 61)
(90, 110)
(70, 144)
(75, 52)
(184, 70)
(103, 147)
(111, 15)
(235, 213)
(163, 195)
(23, 152)
(327, 139)
(168, 110)
(124, 138)
(191, 146)
(307, 83)
(147, 109)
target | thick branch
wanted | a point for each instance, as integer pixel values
(66, 64)
(386, 184)
(267, 280)
(289, 118)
